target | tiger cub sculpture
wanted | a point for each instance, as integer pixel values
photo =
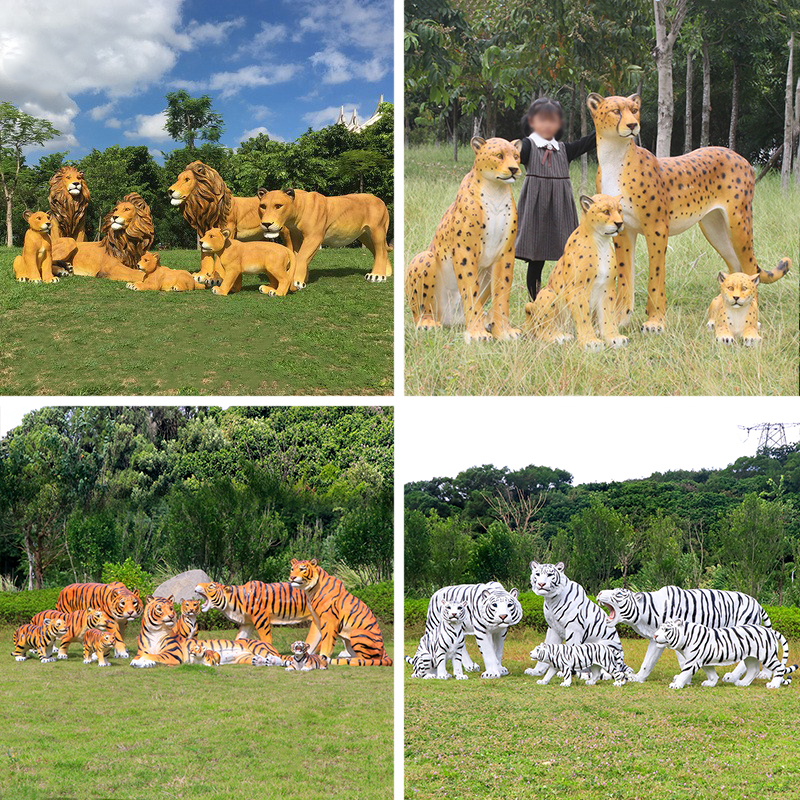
(569, 659)
(337, 613)
(303, 660)
(97, 645)
(571, 617)
(187, 623)
(38, 638)
(471, 257)
(441, 645)
(734, 311)
(700, 646)
(490, 611)
(35, 263)
(582, 284)
(77, 623)
(197, 652)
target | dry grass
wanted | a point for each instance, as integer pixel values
(511, 738)
(685, 361)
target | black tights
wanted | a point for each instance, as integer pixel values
(534, 277)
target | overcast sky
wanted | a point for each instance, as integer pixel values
(596, 439)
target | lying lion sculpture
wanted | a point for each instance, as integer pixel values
(207, 202)
(128, 233)
(158, 278)
(314, 220)
(69, 199)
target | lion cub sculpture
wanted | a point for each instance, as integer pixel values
(36, 262)
(582, 282)
(471, 257)
(161, 278)
(734, 311)
(234, 258)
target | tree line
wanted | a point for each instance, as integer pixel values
(332, 161)
(236, 492)
(732, 528)
(711, 72)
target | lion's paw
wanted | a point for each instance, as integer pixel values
(299, 285)
(267, 290)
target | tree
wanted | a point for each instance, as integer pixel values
(190, 118)
(669, 17)
(18, 130)
(662, 553)
(354, 165)
(788, 119)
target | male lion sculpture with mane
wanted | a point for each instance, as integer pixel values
(207, 202)
(69, 199)
(128, 233)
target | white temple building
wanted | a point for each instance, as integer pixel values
(354, 124)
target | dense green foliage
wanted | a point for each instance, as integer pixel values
(332, 161)
(732, 528)
(237, 493)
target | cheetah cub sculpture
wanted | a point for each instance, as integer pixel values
(471, 257)
(734, 311)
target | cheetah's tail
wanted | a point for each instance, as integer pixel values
(784, 265)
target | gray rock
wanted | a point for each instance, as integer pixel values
(181, 587)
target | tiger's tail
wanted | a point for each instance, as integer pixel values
(408, 660)
(764, 276)
(383, 661)
(783, 668)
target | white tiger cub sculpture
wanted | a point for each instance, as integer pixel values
(444, 644)
(701, 646)
(571, 617)
(569, 659)
(645, 611)
(490, 611)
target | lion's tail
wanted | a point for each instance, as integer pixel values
(784, 265)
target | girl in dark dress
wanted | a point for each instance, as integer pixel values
(546, 210)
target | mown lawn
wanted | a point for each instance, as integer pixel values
(684, 361)
(513, 739)
(77, 732)
(85, 336)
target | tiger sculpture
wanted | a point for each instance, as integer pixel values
(490, 611)
(571, 617)
(77, 623)
(113, 599)
(198, 653)
(645, 611)
(159, 644)
(445, 643)
(39, 639)
(97, 645)
(187, 623)
(255, 607)
(336, 612)
(702, 647)
(303, 660)
(569, 659)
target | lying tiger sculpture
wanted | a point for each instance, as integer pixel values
(302, 660)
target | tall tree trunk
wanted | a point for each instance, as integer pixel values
(455, 134)
(734, 107)
(665, 44)
(28, 540)
(571, 115)
(687, 124)
(9, 220)
(705, 125)
(797, 131)
(584, 131)
(788, 119)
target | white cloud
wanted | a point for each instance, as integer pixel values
(268, 34)
(253, 132)
(363, 24)
(230, 83)
(327, 116)
(339, 68)
(113, 122)
(150, 127)
(211, 32)
(102, 111)
(259, 113)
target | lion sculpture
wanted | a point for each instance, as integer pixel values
(69, 199)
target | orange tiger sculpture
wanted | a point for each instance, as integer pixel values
(187, 624)
(255, 607)
(336, 612)
(77, 623)
(198, 652)
(69, 199)
(113, 599)
(303, 660)
(97, 645)
(159, 644)
(38, 638)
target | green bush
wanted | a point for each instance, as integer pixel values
(380, 599)
(17, 608)
(131, 574)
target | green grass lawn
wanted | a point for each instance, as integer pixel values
(512, 739)
(685, 361)
(86, 336)
(77, 732)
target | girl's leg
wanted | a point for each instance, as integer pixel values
(534, 277)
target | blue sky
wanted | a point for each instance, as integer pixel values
(278, 66)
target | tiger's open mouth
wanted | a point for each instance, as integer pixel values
(612, 613)
(207, 604)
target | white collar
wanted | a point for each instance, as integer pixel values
(540, 142)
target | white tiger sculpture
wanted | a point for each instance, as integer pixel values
(701, 646)
(568, 659)
(645, 611)
(571, 617)
(444, 644)
(490, 611)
